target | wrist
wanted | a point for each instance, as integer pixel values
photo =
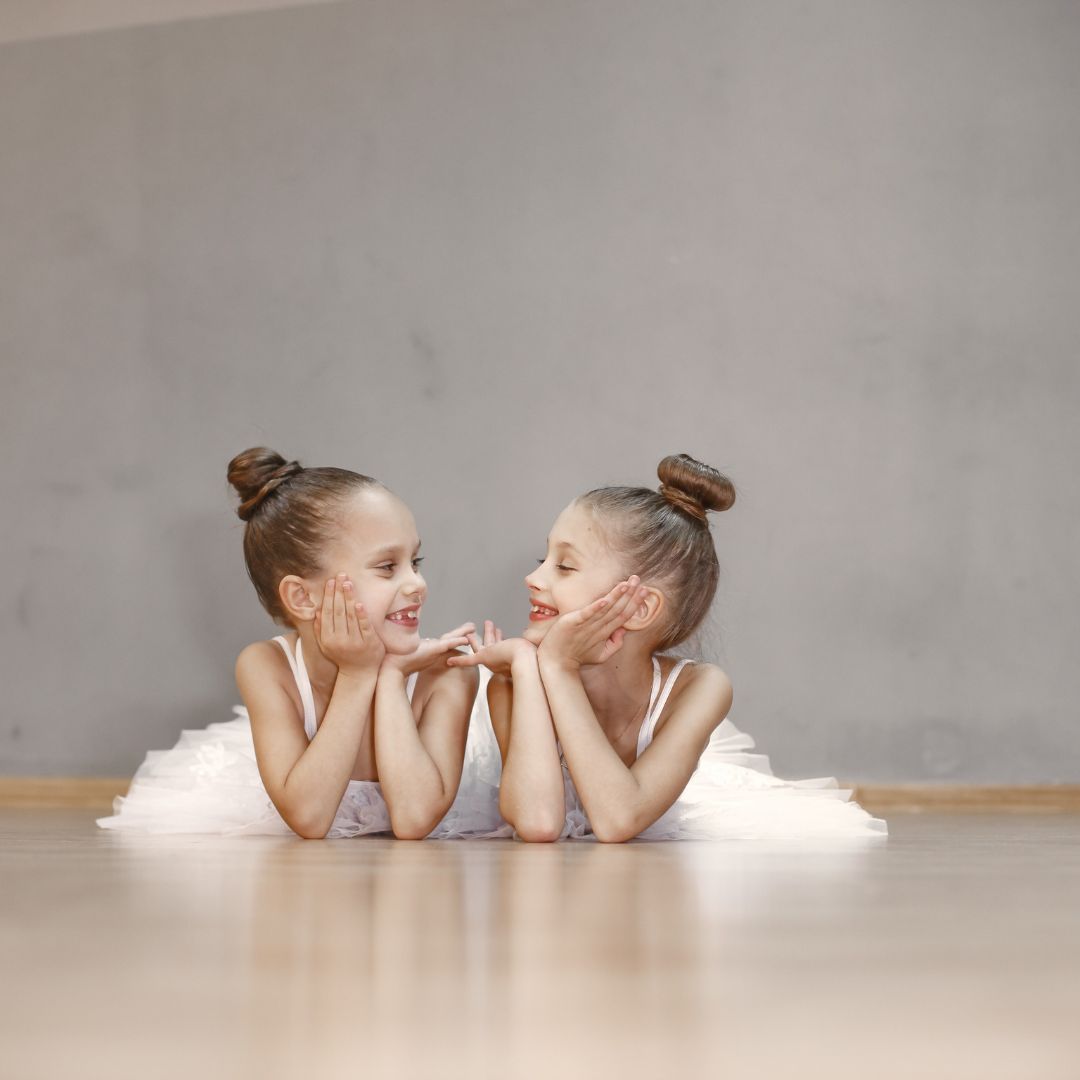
(556, 663)
(354, 677)
(523, 662)
(391, 672)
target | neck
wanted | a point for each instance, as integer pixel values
(619, 689)
(322, 673)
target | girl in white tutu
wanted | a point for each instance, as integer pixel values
(353, 724)
(602, 732)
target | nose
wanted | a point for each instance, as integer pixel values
(417, 585)
(532, 581)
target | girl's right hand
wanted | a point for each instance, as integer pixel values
(343, 632)
(595, 633)
(495, 653)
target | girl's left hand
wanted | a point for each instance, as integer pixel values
(429, 651)
(594, 633)
(495, 653)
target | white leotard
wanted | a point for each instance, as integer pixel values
(657, 701)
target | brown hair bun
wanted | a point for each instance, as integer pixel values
(693, 487)
(257, 473)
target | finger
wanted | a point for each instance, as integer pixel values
(489, 632)
(339, 605)
(463, 660)
(625, 604)
(498, 636)
(448, 644)
(328, 606)
(350, 609)
(474, 642)
(589, 611)
(363, 624)
(460, 631)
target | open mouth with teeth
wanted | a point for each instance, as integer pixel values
(538, 612)
(407, 617)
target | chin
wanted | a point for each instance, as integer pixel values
(534, 633)
(401, 642)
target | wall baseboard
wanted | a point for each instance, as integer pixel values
(97, 793)
(91, 792)
(968, 798)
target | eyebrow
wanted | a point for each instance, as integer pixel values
(385, 552)
(565, 544)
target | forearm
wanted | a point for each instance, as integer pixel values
(608, 790)
(531, 790)
(416, 792)
(313, 788)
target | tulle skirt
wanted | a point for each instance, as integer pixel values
(733, 795)
(209, 783)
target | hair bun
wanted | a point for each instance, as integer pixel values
(693, 487)
(256, 473)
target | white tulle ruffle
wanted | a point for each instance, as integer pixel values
(733, 795)
(209, 783)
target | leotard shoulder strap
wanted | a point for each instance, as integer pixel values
(657, 701)
(303, 683)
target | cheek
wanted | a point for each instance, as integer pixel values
(376, 597)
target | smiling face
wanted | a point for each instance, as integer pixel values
(378, 548)
(580, 567)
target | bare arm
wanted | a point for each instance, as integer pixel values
(531, 790)
(306, 781)
(622, 801)
(419, 760)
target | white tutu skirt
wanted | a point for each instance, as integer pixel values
(209, 783)
(733, 795)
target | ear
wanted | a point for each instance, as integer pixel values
(649, 610)
(296, 598)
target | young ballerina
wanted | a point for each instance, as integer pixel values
(353, 724)
(601, 732)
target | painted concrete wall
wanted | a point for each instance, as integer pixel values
(498, 253)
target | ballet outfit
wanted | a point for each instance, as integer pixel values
(733, 794)
(209, 782)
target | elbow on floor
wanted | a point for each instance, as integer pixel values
(411, 827)
(538, 830)
(309, 828)
(614, 831)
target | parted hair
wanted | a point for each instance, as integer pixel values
(664, 536)
(290, 513)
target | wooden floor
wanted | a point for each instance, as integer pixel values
(952, 951)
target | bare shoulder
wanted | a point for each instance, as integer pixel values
(702, 695)
(258, 660)
(705, 678)
(266, 683)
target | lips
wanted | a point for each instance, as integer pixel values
(407, 617)
(540, 612)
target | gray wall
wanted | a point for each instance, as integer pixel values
(497, 253)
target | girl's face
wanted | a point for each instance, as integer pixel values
(579, 568)
(378, 548)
